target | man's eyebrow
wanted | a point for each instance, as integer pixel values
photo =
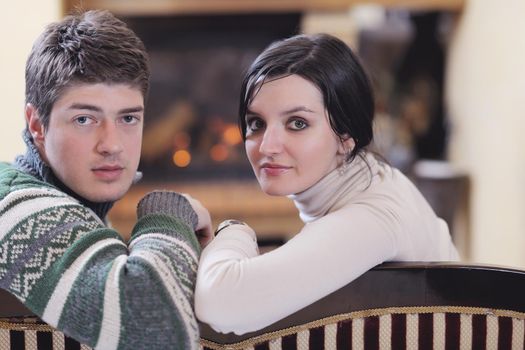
(131, 110)
(85, 106)
(93, 108)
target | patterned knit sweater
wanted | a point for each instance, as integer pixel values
(60, 259)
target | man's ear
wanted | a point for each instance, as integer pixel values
(347, 145)
(34, 124)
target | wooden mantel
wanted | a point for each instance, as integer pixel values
(189, 7)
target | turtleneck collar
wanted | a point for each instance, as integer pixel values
(32, 164)
(335, 189)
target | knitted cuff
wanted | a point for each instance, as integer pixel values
(168, 203)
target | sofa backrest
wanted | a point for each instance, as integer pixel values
(403, 306)
(395, 305)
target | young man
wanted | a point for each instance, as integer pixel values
(86, 81)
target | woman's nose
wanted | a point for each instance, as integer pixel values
(272, 141)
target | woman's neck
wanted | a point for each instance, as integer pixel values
(336, 188)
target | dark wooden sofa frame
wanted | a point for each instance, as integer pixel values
(423, 305)
(397, 305)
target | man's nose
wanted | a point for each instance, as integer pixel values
(109, 139)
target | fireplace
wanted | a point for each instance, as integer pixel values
(197, 62)
(191, 140)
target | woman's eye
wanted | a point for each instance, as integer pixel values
(255, 124)
(298, 124)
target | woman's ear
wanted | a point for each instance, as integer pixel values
(34, 124)
(347, 145)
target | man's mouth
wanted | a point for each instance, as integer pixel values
(108, 172)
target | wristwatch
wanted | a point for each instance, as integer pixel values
(227, 223)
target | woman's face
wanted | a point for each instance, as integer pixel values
(289, 141)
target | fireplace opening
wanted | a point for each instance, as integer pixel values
(197, 65)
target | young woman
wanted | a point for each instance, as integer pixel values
(306, 115)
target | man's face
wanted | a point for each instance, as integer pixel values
(93, 139)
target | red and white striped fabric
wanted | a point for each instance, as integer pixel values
(30, 333)
(398, 328)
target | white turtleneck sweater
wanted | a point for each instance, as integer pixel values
(353, 221)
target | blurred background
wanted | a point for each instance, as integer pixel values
(449, 79)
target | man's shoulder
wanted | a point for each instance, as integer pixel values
(20, 189)
(12, 179)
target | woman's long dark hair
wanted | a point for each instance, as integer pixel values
(329, 64)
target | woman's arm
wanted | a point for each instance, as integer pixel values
(240, 291)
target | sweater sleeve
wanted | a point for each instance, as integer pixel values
(79, 276)
(240, 291)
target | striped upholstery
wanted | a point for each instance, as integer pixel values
(29, 333)
(402, 305)
(393, 306)
(441, 327)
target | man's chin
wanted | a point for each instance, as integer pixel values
(106, 195)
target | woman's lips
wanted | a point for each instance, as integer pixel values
(274, 169)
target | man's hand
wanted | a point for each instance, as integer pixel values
(204, 231)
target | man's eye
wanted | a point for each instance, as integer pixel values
(129, 119)
(83, 120)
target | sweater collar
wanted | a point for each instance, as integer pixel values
(337, 188)
(32, 164)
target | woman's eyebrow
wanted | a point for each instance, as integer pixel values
(297, 109)
(252, 113)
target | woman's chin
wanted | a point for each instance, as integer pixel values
(276, 190)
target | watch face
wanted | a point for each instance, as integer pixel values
(227, 223)
(234, 222)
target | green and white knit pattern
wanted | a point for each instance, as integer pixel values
(41, 238)
(80, 277)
